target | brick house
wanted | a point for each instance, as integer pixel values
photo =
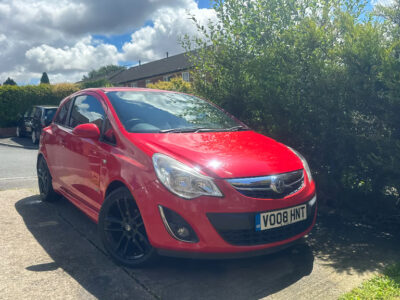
(159, 70)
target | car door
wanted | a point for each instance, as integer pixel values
(81, 174)
(55, 145)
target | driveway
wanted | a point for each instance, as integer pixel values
(51, 250)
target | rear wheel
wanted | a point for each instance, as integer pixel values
(47, 193)
(122, 230)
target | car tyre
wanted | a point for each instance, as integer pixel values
(122, 231)
(45, 181)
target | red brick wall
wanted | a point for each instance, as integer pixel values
(7, 132)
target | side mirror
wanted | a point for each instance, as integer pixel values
(87, 130)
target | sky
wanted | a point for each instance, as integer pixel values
(69, 38)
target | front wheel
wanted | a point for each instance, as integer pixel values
(122, 230)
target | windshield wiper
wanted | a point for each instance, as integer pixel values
(202, 129)
(236, 128)
(178, 130)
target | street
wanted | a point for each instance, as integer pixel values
(17, 164)
(51, 250)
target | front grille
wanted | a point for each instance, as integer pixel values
(239, 228)
(270, 187)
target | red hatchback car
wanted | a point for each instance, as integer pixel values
(168, 173)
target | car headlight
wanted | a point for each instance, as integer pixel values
(183, 180)
(305, 164)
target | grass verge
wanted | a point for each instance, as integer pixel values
(383, 286)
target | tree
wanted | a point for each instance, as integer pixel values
(44, 79)
(103, 72)
(9, 81)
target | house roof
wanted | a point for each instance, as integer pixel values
(155, 68)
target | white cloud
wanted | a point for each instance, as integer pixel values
(81, 57)
(56, 36)
(152, 42)
(385, 3)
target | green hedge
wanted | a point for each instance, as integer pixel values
(15, 100)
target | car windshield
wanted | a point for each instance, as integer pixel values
(141, 112)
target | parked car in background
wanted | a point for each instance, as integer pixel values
(34, 120)
(172, 174)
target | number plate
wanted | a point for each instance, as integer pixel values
(279, 218)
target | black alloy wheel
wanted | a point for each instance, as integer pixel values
(45, 181)
(122, 230)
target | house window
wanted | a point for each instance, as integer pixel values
(148, 81)
(166, 78)
(133, 84)
(185, 76)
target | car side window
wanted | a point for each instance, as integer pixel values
(87, 109)
(63, 113)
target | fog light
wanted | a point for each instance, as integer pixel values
(176, 226)
(183, 232)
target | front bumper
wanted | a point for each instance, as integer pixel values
(210, 218)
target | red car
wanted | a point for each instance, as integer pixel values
(168, 173)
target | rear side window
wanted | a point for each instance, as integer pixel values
(62, 115)
(87, 109)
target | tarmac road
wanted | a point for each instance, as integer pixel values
(17, 163)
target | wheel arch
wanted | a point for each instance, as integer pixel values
(115, 184)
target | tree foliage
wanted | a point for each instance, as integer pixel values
(44, 79)
(102, 73)
(95, 83)
(9, 81)
(175, 84)
(322, 76)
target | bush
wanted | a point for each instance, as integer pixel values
(95, 84)
(15, 100)
(176, 84)
(320, 76)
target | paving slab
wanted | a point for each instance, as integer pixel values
(52, 250)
